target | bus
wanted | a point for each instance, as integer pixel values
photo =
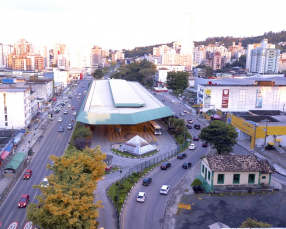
(155, 127)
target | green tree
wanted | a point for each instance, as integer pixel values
(97, 74)
(68, 201)
(253, 223)
(83, 132)
(220, 136)
(177, 81)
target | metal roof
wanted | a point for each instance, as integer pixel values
(99, 106)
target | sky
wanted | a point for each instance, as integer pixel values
(125, 24)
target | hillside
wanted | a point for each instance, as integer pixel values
(272, 37)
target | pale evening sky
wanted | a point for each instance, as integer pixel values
(118, 24)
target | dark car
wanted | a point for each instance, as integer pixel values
(181, 155)
(196, 138)
(23, 201)
(61, 129)
(165, 165)
(205, 144)
(163, 100)
(189, 126)
(73, 119)
(57, 111)
(197, 126)
(147, 181)
(176, 116)
(82, 86)
(186, 165)
(27, 174)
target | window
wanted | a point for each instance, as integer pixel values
(203, 169)
(236, 178)
(251, 178)
(263, 177)
(220, 178)
(209, 175)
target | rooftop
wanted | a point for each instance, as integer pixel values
(238, 163)
(111, 102)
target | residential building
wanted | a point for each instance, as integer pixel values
(15, 108)
(264, 60)
(219, 171)
(96, 56)
(282, 62)
(117, 55)
(216, 63)
(61, 78)
(162, 72)
(43, 88)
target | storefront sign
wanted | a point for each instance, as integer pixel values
(207, 98)
(259, 98)
(225, 97)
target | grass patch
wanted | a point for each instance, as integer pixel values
(123, 154)
(71, 144)
(150, 154)
(125, 187)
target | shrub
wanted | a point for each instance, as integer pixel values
(196, 182)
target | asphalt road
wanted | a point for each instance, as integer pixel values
(150, 214)
(54, 142)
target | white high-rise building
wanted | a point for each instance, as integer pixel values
(264, 59)
(186, 39)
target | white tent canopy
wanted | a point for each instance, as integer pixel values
(137, 146)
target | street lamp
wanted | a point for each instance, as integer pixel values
(265, 130)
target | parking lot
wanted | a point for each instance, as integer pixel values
(231, 209)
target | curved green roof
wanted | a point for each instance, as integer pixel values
(16, 161)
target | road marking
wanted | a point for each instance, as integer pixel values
(13, 225)
(28, 225)
(9, 216)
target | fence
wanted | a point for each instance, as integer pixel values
(146, 164)
(19, 171)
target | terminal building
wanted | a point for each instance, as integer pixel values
(120, 102)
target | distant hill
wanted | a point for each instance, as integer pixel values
(272, 37)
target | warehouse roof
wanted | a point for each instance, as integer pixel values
(111, 102)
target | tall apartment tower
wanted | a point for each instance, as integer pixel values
(186, 38)
(96, 56)
(2, 56)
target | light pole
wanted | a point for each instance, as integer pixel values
(266, 121)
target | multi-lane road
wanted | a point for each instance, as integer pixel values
(55, 143)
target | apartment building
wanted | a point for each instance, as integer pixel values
(15, 108)
(117, 55)
(43, 88)
(282, 62)
(216, 63)
(264, 60)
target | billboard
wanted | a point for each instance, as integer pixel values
(259, 98)
(225, 97)
(207, 98)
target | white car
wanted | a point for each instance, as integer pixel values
(60, 119)
(45, 182)
(69, 106)
(66, 112)
(141, 197)
(79, 93)
(190, 121)
(192, 146)
(185, 111)
(165, 189)
(69, 126)
(74, 113)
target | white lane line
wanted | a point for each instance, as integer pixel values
(9, 216)
(34, 196)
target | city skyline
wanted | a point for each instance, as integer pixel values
(126, 24)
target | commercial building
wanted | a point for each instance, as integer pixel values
(119, 102)
(162, 72)
(43, 88)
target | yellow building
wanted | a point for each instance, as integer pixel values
(260, 127)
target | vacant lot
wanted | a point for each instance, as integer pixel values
(232, 210)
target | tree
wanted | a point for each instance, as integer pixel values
(253, 223)
(97, 74)
(177, 81)
(68, 201)
(220, 136)
(83, 132)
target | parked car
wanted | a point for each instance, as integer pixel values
(163, 100)
(205, 144)
(23, 201)
(181, 155)
(189, 126)
(197, 126)
(186, 165)
(57, 110)
(176, 116)
(141, 197)
(61, 129)
(69, 126)
(146, 181)
(196, 138)
(173, 101)
(190, 121)
(185, 111)
(60, 119)
(66, 112)
(165, 165)
(165, 189)
(27, 174)
(192, 146)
